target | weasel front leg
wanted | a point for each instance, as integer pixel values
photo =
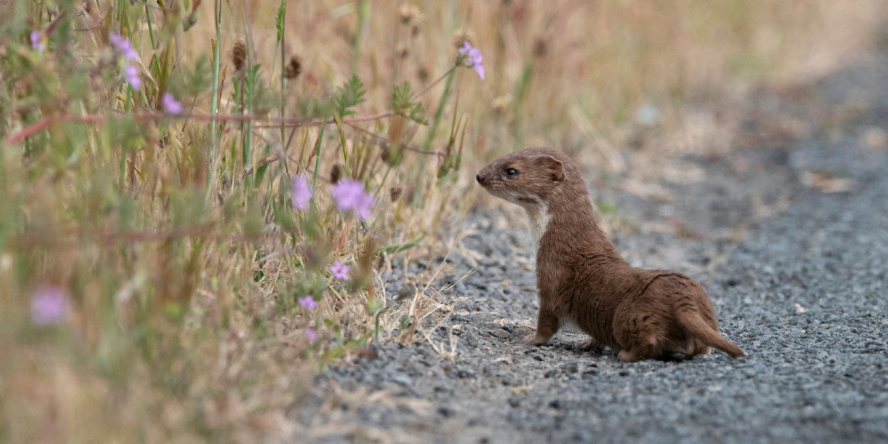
(547, 326)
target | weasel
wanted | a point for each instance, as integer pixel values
(582, 279)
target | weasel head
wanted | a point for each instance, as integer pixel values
(528, 177)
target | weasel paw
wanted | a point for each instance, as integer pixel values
(533, 339)
(590, 345)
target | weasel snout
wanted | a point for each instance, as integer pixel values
(479, 179)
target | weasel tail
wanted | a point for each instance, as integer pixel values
(696, 326)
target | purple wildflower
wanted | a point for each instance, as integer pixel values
(310, 334)
(124, 46)
(131, 75)
(473, 58)
(339, 271)
(301, 193)
(37, 41)
(350, 195)
(49, 306)
(115, 39)
(308, 303)
(367, 232)
(170, 104)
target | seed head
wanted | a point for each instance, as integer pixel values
(460, 37)
(423, 74)
(408, 13)
(499, 104)
(293, 69)
(335, 173)
(395, 193)
(239, 55)
(540, 48)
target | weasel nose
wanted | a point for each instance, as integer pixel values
(479, 178)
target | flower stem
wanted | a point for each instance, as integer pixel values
(363, 22)
(283, 31)
(440, 112)
(437, 81)
(314, 180)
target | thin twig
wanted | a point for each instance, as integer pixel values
(383, 139)
(100, 118)
(42, 124)
(437, 81)
(199, 231)
(289, 123)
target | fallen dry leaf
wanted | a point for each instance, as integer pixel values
(826, 182)
(875, 138)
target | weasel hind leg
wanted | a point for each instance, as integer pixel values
(689, 347)
(641, 334)
(697, 347)
(649, 348)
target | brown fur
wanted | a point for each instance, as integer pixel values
(581, 277)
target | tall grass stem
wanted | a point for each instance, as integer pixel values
(439, 112)
(214, 103)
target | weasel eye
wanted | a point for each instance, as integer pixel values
(512, 172)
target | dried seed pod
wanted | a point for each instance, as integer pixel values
(423, 74)
(239, 55)
(336, 173)
(392, 154)
(499, 104)
(540, 48)
(408, 13)
(294, 67)
(395, 193)
(461, 36)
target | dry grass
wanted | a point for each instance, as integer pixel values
(175, 240)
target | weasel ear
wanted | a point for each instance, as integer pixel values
(553, 167)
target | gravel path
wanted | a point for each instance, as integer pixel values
(803, 291)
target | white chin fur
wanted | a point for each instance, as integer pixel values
(538, 220)
(537, 212)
